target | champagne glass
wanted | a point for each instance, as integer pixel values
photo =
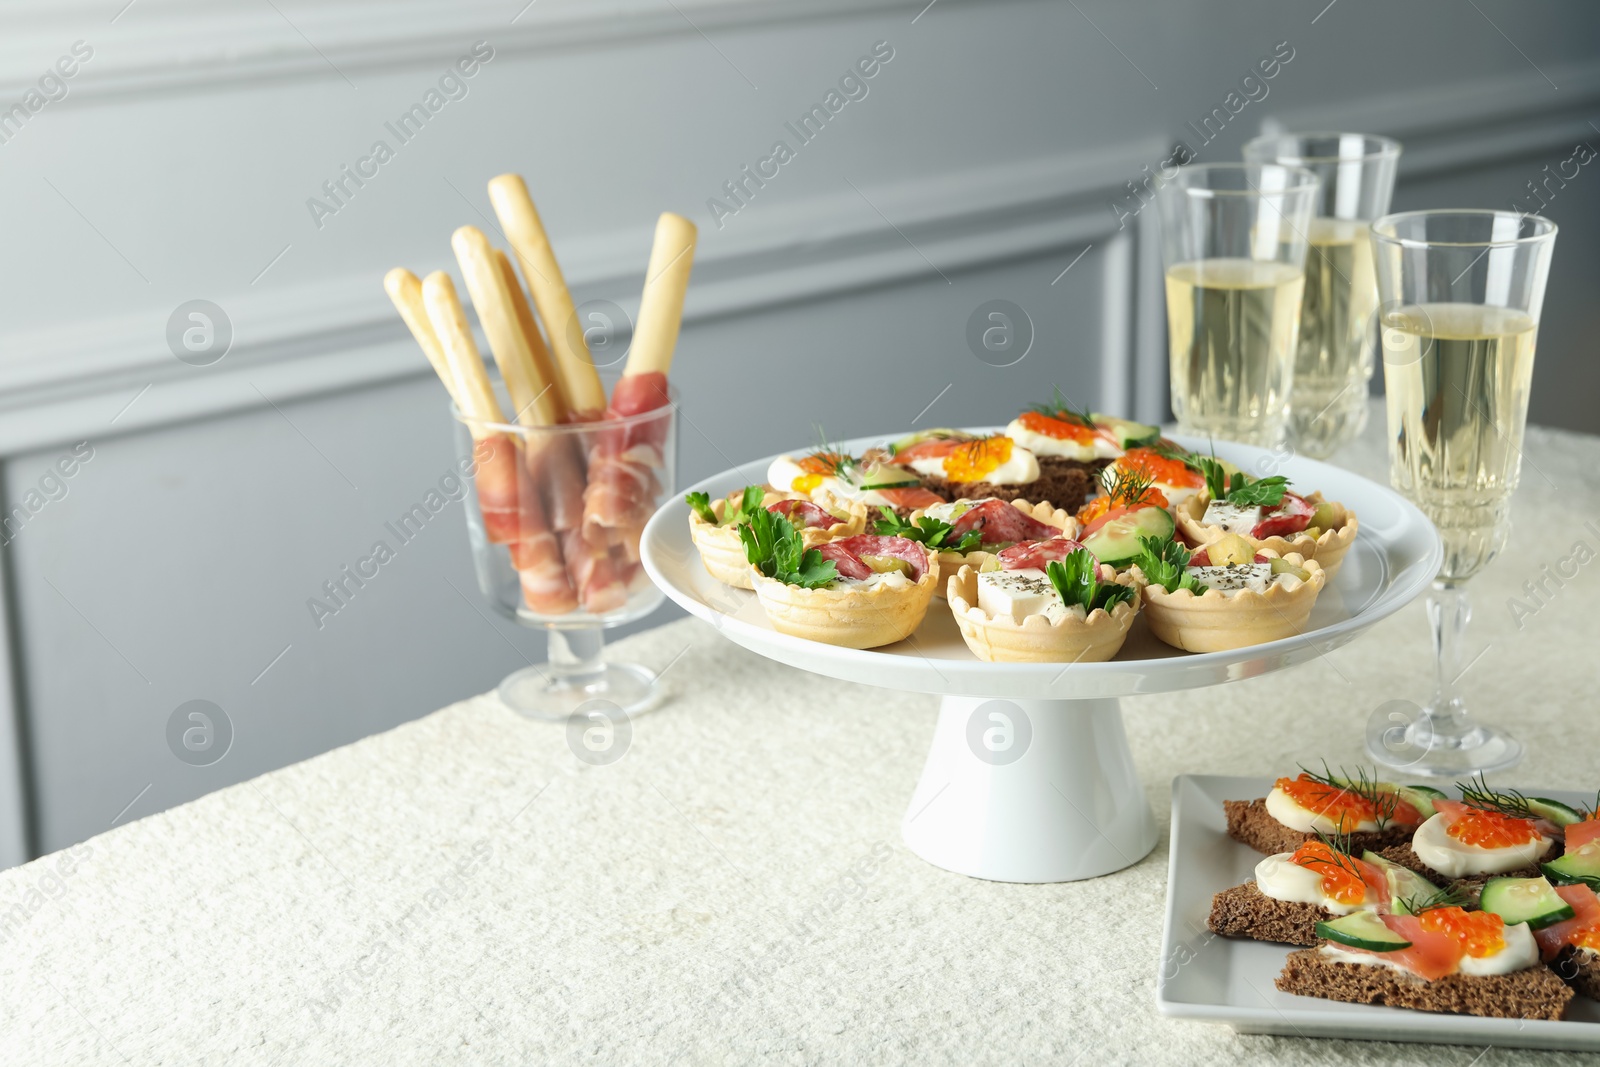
(1461, 293)
(1234, 242)
(1335, 356)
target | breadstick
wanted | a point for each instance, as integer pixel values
(406, 292)
(474, 395)
(661, 306)
(542, 364)
(530, 395)
(581, 390)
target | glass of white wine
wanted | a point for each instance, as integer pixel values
(1461, 293)
(1334, 359)
(1234, 241)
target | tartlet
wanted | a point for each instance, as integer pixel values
(1328, 548)
(850, 616)
(1214, 621)
(722, 552)
(1094, 638)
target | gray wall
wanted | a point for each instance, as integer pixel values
(983, 163)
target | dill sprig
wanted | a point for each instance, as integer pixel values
(1448, 897)
(1124, 487)
(1060, 407)
(1362, 785)
(1477, 793)
(1341, 855)
(836, 461)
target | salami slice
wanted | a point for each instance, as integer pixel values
(803, 513)
(1033, 555)
(997, 521)
(846, 554)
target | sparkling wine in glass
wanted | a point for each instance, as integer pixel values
(1334, 358)
(1234, 240)
(1462, 293)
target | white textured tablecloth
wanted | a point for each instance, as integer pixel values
(733, 889)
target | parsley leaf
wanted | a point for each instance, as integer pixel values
(1076, 582)
(700, 504)
(929, 531)
(1265, 492)
(1163, 561)
(749, 504)
(1241, 491)
(774, 547)
(732, 514)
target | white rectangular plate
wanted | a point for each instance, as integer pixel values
(1221, 980)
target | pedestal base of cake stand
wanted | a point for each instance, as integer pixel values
(1029, 791)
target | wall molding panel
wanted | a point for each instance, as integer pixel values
(65, 383)
(186, 45)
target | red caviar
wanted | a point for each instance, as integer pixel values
(1491, 829)
(1587, 937)
(1347, 809)
(1341, 878)
(1161, 469)
(1059, 429)
(1480, 933)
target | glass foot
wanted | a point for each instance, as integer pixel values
(539, 693)
(1417, 749)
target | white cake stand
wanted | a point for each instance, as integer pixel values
(1030, 778)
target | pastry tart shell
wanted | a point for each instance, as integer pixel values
(849, 616)
(1328, 549)
(1036, 639)
(1217, 622)
(723, 553)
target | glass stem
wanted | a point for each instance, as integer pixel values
(1446, 717)
(575, 656)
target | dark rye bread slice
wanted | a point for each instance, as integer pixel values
(1250, 822)
(1245, 911)
(1471, 885)
(1534, 993)
(1580, 969)
(1065, 483)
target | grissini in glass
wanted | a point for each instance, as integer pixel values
(1327, 546)
(564, 486)
(722, 552)
(1071, 637)
(1214, 620)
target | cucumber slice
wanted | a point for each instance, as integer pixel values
(1404, 883)
(1422, 797)
(1524, 900)
(1129, 434)
(1117, 542)
(1362, 929)
(1554, 810)
(1581, 866)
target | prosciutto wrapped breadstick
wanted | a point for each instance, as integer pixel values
(497, 475)
(511, 510)
(581, 391)
(622, 481)
(526, 370)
